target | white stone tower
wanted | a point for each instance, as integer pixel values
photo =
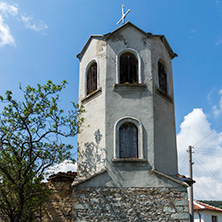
(126, 78)
(127, 156)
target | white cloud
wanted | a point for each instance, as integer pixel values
(6, 9)
(196, 130)
(219, 41)
(205, 188)
(6, 37)
(192, 33)
(65, 166)
(209, 95)
(37, 26)
(217, 109)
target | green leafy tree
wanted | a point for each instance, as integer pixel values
(31, 133)
(215, 203)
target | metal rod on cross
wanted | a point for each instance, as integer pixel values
(123, 15)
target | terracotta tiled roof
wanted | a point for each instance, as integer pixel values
(188, 180)
(203, 206)
(61, 175)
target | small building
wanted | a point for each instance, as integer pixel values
(206, 213)
(59, 205)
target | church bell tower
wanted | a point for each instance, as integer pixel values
(127, 155)
(126, 87)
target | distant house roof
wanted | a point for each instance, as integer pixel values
(197, 205)
(108, 35)
(188, 180)
(62, 175)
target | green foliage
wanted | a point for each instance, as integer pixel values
(31, 133)
(214, 203)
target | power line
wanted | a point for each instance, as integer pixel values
(210, 174)
(208, 135)
(185, 157)
(213, 152)
(208, 168)
(205, 145)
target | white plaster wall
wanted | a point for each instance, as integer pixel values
(196, 217)
(91, 155)
(138, 104)
(165, 150)
(208, 214)
(131, 178)
(103, 111)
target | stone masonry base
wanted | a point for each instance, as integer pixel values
(130, 204)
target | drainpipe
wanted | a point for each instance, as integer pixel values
(199, 215)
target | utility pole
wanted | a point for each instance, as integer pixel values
(191, 187)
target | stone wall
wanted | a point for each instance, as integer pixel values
(59, 205)
(130, 204)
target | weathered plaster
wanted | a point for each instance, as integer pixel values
(153, 110)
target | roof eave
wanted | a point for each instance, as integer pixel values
(80, 55)
(206, 207)
(81, 180)
(108, 35)
(170, 178)
(169, 49)
(167, 45)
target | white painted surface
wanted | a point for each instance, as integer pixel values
(154, 111)
(206, 216)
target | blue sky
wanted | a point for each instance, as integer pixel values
(39, 40)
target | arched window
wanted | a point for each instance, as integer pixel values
(128, 68)
(92, 78)
(162, 77)
(128, 141)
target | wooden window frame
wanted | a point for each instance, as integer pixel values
(118, 124)
(128, 68)
(137, 56)
(91, 78)
(214, 218)
(162, 77)
(128, 148)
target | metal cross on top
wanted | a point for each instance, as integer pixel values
(123, 15)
